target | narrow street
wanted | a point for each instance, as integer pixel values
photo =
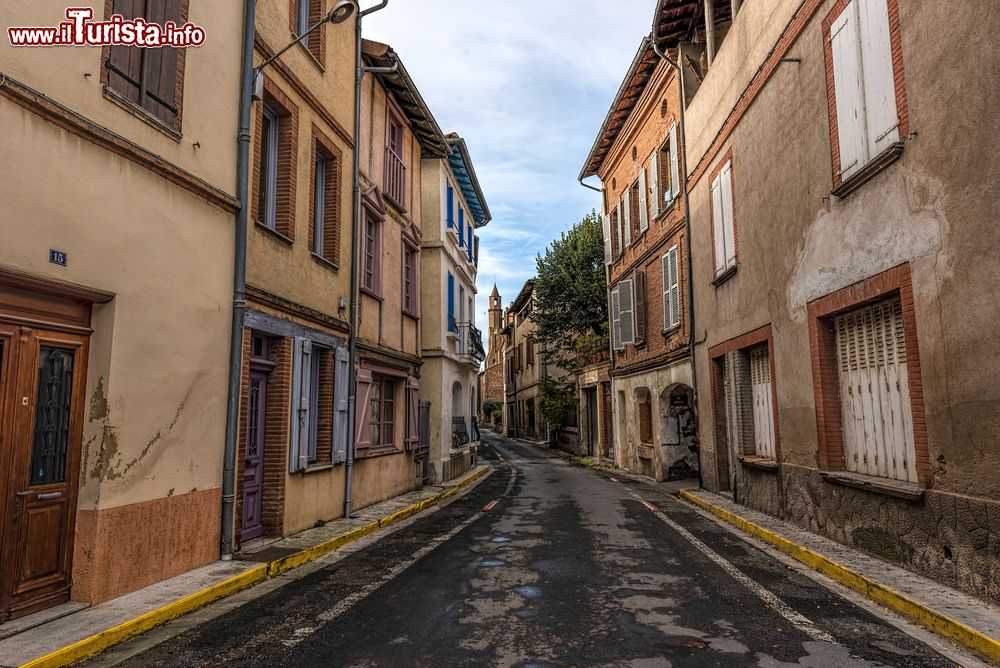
(569, 567)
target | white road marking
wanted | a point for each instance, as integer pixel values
(797, 620)
(327, 616)
(490, 506)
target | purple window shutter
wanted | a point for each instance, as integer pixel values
(412, 414)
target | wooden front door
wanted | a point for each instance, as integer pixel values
(253, 471)
(42, 384)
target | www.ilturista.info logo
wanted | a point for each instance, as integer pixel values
(79, 30)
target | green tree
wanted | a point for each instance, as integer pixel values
(557, 403)
(571, 307)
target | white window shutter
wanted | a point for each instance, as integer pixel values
(882, 117)
(845, 47)
(727, 207)
(675, 171)
(627, 207)
(626, 301)
(607, 238)
(618, 240)
(654, 184)
(718, 228)
(643, 212)
(671, 290)
(616, 320)
(298, 458)
(341, 408)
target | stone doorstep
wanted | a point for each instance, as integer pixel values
(50, 630)
(963, 608)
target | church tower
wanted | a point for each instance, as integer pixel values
(496, 313)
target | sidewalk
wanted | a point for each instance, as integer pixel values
(47, 639)
(965, 620)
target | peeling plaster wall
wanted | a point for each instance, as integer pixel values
(935, 209)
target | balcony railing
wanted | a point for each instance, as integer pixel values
(470, 343)
(395, 177)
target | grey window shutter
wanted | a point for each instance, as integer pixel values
(412, 414)
(643, 212)
(616, 320)
(301, 419)
(627, 206)
(607, 238)
(675, 171)
(626, 301)
(640, 307)
(654, 184)
(341, 407)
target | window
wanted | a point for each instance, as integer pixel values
(319, 202)
(665, 181)
(747, 408)
(302, 11)
(324, 237)
(723, 229)
(864, 95)
(395, 167)
(626, 222)
(645, 405)
(606, 231)
(639, 198)
(461, 227)
(149, 79)
(267, 161)
(410, 289)
(470, 244)
(461, 303)
(450, 213)
(452, 325)
(382, 413)
(671, 290)
(623, 314)
(371, 279)
(319, 406)
(476, 252)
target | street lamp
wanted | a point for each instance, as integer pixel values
(340, 12)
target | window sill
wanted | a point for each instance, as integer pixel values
(274, 233)
(143, 115)
(665, 211)
(724, 276)
(669, 331)
(371, 293)
(870, 171)
(760, 463)
(411, 314)
(382, 451)
(329, 264)
(897, 488)
(309, 54)
(316, 468)
(392, 200)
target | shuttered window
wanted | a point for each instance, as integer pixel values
(763, 408)
(747, 402)
(461, 227)
(606, 222)
(627, 222)
(626, 305)
(723, 229)
(654, 185)
(148, 78)
(318, 405)
(675, 175)
(864, 83)
(639, 308)
(874, 392)
(643, 211)
(671, 290)
(450, 204)
(267, 166)
(616, 320)
(452, 324)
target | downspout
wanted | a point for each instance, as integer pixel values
(682, 141)
(352, 389)
(239, 285)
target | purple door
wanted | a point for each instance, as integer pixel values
(253, 475)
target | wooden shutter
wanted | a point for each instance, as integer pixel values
(654, 184)
(626, 304)
(643, 212)
(763, 409)
(362, 412)
(718, 226)
(627, 208)
(124, 62)
(412, 414)
(616, 319)
(341, 405)
(881, 116)
(845, 49)
(727, 207)
(301, 418)
(640, 307)
(606, 221)
(874, 391)
(675, 170)
(671, 290)
(160, 65)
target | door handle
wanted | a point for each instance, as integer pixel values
(49, 496)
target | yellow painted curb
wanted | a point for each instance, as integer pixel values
(118, 634)
(966, 636)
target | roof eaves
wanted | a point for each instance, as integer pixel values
(465, 173)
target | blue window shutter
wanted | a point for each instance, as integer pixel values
(451, 207)
(451, 302)
(470, 243)
(461, 227)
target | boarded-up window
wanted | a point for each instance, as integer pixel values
(148, 78)
(874, 392)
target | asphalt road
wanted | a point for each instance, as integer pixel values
(571, 567)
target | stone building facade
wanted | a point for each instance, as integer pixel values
(843, 254)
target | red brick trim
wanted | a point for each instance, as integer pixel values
(172, 130)
(332, 198)
(288, 141)
(303, 91)
(791, 34)
(826, 386)
(82, 127)
(895, 42)
(758, 336)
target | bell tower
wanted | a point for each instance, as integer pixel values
(496, 324)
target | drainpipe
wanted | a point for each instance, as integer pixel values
(359, 73)
(682, 142)
(239, 285)
(735, 8)
(709, 31)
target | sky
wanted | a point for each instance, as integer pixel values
(527, 83)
